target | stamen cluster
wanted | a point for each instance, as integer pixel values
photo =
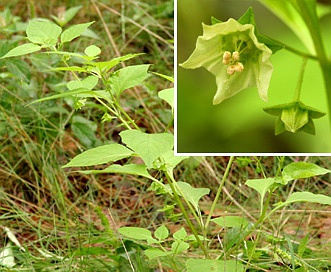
(232, 60)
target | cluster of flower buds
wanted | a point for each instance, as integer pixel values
(233, 61)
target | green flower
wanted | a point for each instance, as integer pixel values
(232, 52)
(294, 117)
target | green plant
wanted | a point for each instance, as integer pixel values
(151, 156)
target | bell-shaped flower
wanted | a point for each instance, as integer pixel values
(232, 52)
(294, 117)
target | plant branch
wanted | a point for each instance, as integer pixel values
(185, 214)
(225, 176)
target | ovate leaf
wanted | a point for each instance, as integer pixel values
(161, 233)
(100, 155)
(66, 16)
(169, 161)
(180, 234)
(23, 49)
(137, 234)
(193, 195)
(128, 77)
(153, 253)
(92, 50)
(298, 170)
(105, 66)
(308, 197)
(87, 83)
(148, 146)
(261, 186)
(74, 32)
(179, 246)
(43, 32)
(231, 221)
(80, 91)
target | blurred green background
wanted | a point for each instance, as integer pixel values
(239, 124)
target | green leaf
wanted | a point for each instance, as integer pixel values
(148, 146)
(193, 195)
(231, 221)
(87, 83)
(303, 245)
(290, 15)
(65, 94)
(74, 32)
(261, 186)
(137, 234)
(23, 49)
(84, 130)
(105, 66)
(70, 68)
(128, 77)
(92, 50)
(180, 234)
(161, 233)
(43, 32)
(169, 161)
(198, 265)
(168, 96)
(298, 170)
(100, 155)
(131, 169)
(153, 253)
(67, 16)
(179, 246)
(308, 197)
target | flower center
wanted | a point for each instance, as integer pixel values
(232, 60)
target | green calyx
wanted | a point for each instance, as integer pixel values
(294, 117)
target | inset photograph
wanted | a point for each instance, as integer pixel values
(253, 77)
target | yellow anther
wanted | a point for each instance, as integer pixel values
(235, 56)
(231, 69)
(239, 67)
(226, 57)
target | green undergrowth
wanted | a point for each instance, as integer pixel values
(88, 179)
